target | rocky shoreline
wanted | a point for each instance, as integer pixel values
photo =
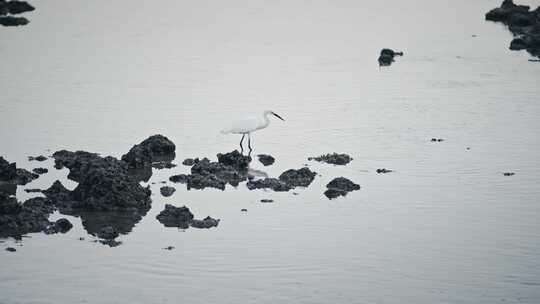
(110, 200)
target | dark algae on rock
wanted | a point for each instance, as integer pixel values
(167, 191)
(522, 22)
(340, 186)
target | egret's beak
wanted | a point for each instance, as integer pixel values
(278, 116)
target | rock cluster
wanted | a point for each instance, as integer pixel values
(522, 22)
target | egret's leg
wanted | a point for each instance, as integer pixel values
(249, 142)
(241, 140)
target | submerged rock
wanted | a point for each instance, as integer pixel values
(267, 201)
(40, 171)
(334, 158)
(268, 183)
(340, 186)
(266, 160)
(11, 249)
(508, 173)
(523, 23)
(156, 148)
(384, 170)
(167, 191)
(39, 158)
(386, 57)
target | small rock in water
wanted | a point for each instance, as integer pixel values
(81, 238)
(266, 160)
(169, 248)
(384, 170)
(267, 201)
(298, 178)
(386, 57)
(39, 158)
(13, 21)
(11, 249)
(340, 186)
(173, 216)
(206, 223)
(40, 170)
(437, 139)
(508, 173)
(334, 158)
(243, 210)
(167, 191)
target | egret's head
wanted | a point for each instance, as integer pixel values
(268, 112)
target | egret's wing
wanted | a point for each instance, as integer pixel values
(243, 125)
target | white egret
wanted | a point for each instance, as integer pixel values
(247, 125)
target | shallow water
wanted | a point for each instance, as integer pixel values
(445, 227)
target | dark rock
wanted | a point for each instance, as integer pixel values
(167, 191)
(437, 139)
(266, 160)
(17, 7)
(173, 216)
(334, 158)
(11, 249)
(168, 248)
(267, 201)
(508, 173)
(243, 210)
(268, 183)
(523, 24)
(205, 223)
(298, 178)
(234, 159)
(19, 219)
(384, 170)
(518, 44)
(386, 57)
(104, 183)
(40, 171)
(107, 194)
(13, 21)
(340, 186)
(156, 148)
(39, 158)
(9, 173)
(108, 233)
(62, 225)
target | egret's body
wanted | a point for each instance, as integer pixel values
(249, 125)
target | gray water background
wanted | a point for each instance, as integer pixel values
(445, 227)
